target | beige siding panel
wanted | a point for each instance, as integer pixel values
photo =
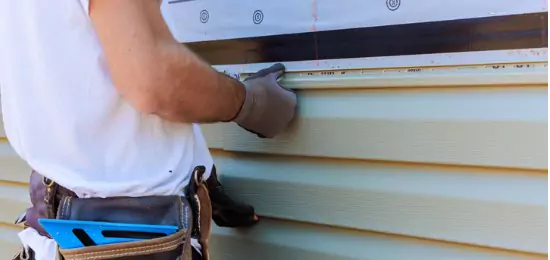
(213, 135)
(486, 126)
(14, 199)
(12, 167)
(496, 208)
(9, 241)
(2, 130)
(281, 240)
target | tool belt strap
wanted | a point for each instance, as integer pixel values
(192, 214)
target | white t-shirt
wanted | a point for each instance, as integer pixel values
(65, 118)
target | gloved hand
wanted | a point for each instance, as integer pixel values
(225, 211)
(268, 107)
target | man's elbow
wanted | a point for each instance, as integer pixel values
(147, 103)
(155, 98)
(142, 93)
(155, 89)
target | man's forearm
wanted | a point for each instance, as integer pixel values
(192, 91)
(156, 73)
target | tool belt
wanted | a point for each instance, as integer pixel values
(192, 214)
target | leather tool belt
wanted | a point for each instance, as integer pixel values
(192, 215)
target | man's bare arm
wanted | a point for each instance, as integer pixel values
(154, 72)
(158, 75)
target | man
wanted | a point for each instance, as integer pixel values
(103, 103)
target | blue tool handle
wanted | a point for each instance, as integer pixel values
(71, 234)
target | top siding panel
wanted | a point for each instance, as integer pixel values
(486, 126)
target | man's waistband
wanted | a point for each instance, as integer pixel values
(45, 196)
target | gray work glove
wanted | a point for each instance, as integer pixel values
(268, 107)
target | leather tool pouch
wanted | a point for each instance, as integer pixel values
(154, 210)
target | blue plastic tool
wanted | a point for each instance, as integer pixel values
(70, 234)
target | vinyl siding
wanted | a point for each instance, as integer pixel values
(448, 164)
(387, 172)
(9, 243)
(14, 197)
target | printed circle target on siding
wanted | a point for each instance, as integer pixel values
(204, 16)
(393, 4)
(258, 17)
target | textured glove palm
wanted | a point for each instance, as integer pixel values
(268, 107)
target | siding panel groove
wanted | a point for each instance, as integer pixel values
(474, 206)
(281, 240)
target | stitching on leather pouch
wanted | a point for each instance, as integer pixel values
(186, 216)
(181, 208)
(141, 249)
(109, 256)
(69, 206)
(198, 201)
(60, 208)
(65, 202)
(69, 200)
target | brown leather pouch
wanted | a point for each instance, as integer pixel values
(153, 210)
(171, 247)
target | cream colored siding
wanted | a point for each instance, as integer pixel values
(431, 165)
(485, 126)
(14, 197)
(274, 239)
(465, 205)
(453, 167)
(9, 243)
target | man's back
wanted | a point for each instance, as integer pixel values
(63, 115)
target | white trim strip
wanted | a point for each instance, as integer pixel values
(509, 74)
(406, 61)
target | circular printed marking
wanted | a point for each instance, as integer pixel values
(258, 17)
(393, 4)
(204, 16)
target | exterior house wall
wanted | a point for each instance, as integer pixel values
(379, 173)
(403, 156)
(447, 161)
(447, 170)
